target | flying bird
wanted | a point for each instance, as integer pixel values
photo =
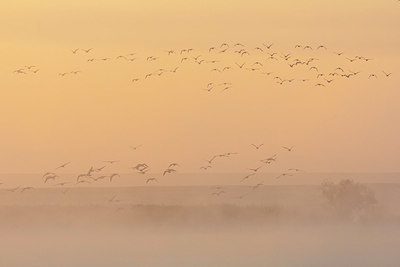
(387, 74)
(111, 161)
(256, 169)
(26, 188)
(283, 175)
(288, 148)
(173, 165)
(205, 167)
(63, 166)
(168, 171)
(151, 179)
(257, 146)
(135, 147)
(247, 177)
(114, 175)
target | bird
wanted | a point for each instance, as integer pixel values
(140, 166)
(255, 170)
(151, 179)
(268, 46)
(82, 181)
(81, 176)
(329, 81)
(269, 160)
(205, 167)
(114, 175)
(174, 70)
(75, 50)
(99, 169)
(12, 189)
(50, 177)
(19, 71)
(87, 50)
(173, 165)
(257, 146)
(168, 171)
(208, 89)
(284, 174)
(339, 68)
(226, 88)
(89, 173)
(257, 186)
(144, 170)
(48, 173)
(288, 148)
(26, 188)
(387, 74)
(211, 160)
(135, 147)
(99, 178)
(240, 65)
(63, 165)
(295, 169)
(61, 184)
(111, 161)
(247, 177)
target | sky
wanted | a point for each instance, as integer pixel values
(350, 125)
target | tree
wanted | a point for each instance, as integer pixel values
(348, 199)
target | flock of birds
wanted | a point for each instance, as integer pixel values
(303, 63)
(98, 174)
(219, 59)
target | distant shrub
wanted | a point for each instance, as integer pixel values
(348, 199)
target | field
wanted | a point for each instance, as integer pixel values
(188, 226)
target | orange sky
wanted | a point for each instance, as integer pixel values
(350, 125)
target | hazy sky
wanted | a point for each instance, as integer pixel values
(351, 125)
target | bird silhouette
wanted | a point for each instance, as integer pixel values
(257, 146)
(288, 148)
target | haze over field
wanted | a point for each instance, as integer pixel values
(210, 133)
